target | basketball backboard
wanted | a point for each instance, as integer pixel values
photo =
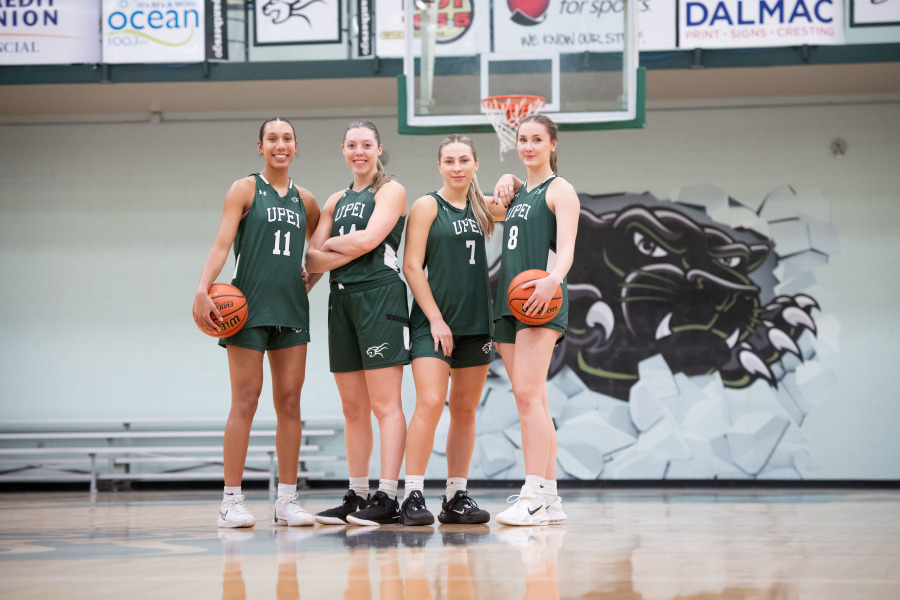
(581, 56)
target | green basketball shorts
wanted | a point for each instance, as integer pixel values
(468, 350)
(267, 338)
(368, 326)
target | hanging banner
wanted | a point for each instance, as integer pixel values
(297, 22)
(364, 29)
(49, 33)
(759, 23)
(146, 31)
(216, 30)
(867, 13)
(461, 29)
(580, 25)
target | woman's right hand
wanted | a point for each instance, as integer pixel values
(505, 189)
(206, 315)
(442, 336)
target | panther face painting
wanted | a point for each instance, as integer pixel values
(653, 277)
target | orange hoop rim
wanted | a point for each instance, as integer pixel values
(504, 100)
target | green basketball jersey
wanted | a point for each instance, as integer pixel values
(529, 242)
(457, 271)
(268, 251)
(352, 213)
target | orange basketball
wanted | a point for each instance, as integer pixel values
(233, 307)
(516, 298)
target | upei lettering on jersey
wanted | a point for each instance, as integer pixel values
(464, 225)
(283, 214)
(518, 211)
(355, 209)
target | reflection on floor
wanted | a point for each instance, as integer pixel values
(636, 545)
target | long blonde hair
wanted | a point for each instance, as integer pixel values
(381, 176)
(552, 130)
(473, 194)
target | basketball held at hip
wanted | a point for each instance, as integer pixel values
(517, 296)
(232, 306)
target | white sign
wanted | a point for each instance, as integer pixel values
(876, 12)
(153, 31)
(297, 22)
(48, 33)
(759, 23)
(580, 25)
(462, 28)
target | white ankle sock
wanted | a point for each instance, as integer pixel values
(534, 483)
(549, 491)
(413, 483)
(360, 485)
(455, 484)
(389, 487)
(234, 490)
(285, 489)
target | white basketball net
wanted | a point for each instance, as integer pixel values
(506, 112)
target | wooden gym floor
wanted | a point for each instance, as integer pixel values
(619, 544)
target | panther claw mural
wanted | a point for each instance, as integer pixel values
(697, 342)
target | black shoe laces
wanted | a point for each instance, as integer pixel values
(463, 500)
(379, 499)
(416, 502)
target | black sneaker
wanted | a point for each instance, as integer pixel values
(338, 514)
(380, 510)
(413, 511)
(462, 510)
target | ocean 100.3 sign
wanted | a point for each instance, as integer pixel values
(759, 23)
(153, 31)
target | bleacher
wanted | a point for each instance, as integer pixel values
(149, 449)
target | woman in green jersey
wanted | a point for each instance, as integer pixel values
(268, 218)
(445, 264)
(368, 322)
(539, 233)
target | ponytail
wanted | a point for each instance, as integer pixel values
(381, 177)
(480, 208)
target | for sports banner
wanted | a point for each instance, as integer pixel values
(47, 33)
(152, 31)
(580, 25)
(759, 23)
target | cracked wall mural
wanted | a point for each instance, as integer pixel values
(699, 340)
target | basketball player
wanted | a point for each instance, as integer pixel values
(368, 322)
(445, 264)
(541, 221)
(268, 218)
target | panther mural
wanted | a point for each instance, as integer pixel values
(696, 345)
(654, 277)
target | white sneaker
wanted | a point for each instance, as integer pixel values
(527, 509)
(289, 512)
(555, 512)
(233, 513)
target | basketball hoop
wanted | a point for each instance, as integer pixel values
(506, 112)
